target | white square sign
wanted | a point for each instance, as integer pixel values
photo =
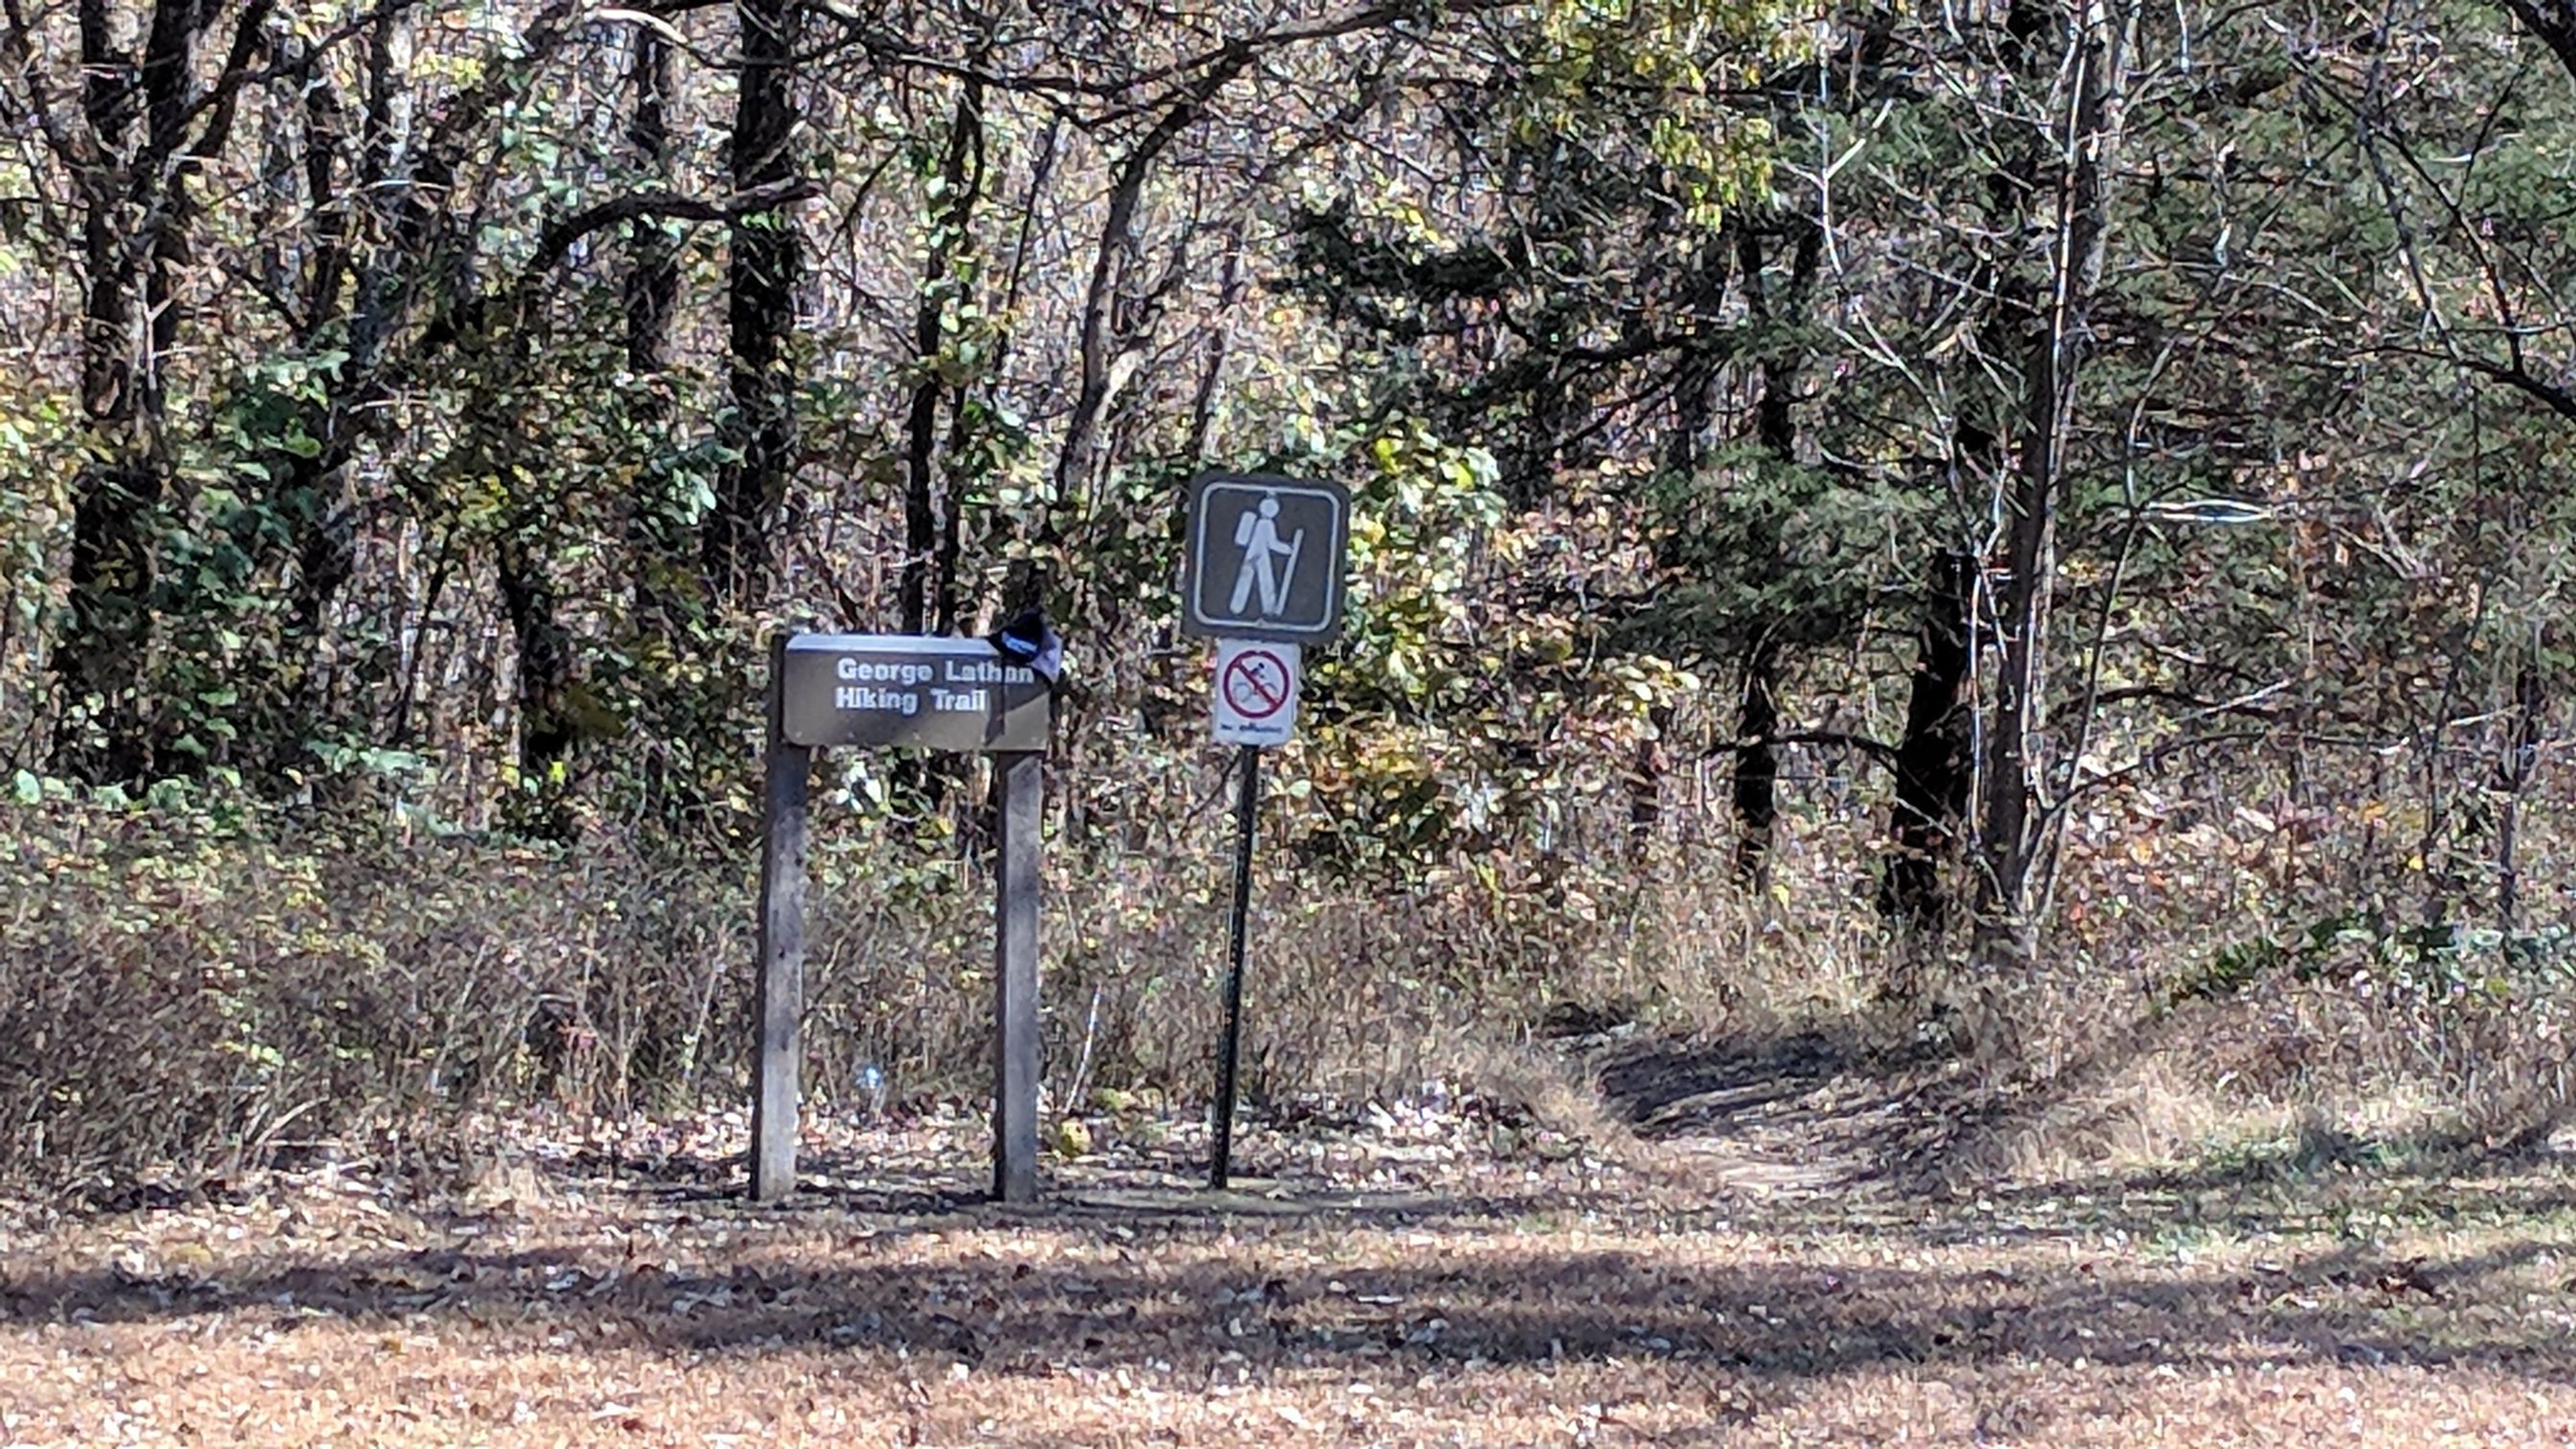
(1256, 692)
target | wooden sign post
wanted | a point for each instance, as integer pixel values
(931, 693)
(1018, 777)
(779, 1000)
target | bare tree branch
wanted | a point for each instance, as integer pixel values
(562, 236)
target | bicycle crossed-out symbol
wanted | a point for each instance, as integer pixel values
(1256, 684)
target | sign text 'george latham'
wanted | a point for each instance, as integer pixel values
(921, 691)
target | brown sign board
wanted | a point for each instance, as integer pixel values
(914, 690)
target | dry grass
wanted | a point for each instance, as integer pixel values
(2129, 1197)
(198, 993)
(1765, 1274)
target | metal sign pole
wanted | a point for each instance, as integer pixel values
(1243, 527)
(1228, 1050)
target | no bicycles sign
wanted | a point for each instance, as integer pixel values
(1256, 692)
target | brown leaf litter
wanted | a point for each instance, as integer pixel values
(1416, 1275)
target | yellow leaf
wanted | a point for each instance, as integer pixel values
(1072, 1137)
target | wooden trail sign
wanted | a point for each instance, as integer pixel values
(879, 690)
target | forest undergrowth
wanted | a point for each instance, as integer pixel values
(202, 990)
(341, 1126)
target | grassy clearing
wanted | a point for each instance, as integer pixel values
(1438, 1275)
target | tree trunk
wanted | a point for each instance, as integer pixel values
(99, 657)
(2554, 21)
(1775, 427)
(313, 492)
(2085, 89)
(307, 488)
(1695, 370)
(653, 266)
(1203, 438)
(1102, 341)
(324, 554)
(548, 726)
(1757, 764)
(2513, 779)
(654, 525)
(1932, 758)
(768, 256)
(928, 587)
(132, 197)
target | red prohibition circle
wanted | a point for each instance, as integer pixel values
(1251, 695)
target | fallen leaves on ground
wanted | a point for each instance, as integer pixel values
(1425, 1274)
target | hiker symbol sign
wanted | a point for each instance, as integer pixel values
(1265, 559)
(1262, 575)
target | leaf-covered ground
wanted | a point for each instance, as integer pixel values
(1435, 1274)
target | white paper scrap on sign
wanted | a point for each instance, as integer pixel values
(1256, 692)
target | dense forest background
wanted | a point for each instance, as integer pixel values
(2025, 528)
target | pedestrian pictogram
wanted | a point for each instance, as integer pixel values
(1269, 566)
(1256, 692)
(1265, 559)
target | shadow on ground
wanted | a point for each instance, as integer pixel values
(1855, 1276)
(1189, 1301)
(1851, 1117)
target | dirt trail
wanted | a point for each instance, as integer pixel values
(1768, 1266)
